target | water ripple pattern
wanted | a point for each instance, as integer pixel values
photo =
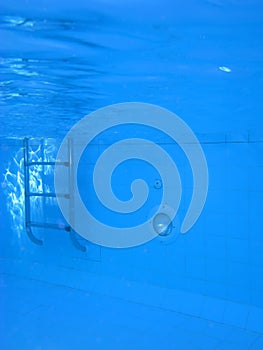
(13, 184)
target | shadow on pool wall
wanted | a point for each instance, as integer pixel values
(214, 271)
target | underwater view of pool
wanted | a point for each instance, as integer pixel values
(131, 167)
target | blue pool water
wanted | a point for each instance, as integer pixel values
(200, 59)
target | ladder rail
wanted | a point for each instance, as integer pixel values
(73, 235)
(30, 234)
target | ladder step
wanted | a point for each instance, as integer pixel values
(46, 163)
(47, 225)
(36, 194)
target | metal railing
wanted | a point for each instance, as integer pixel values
(29, 224)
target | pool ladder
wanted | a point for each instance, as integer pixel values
(28, 194)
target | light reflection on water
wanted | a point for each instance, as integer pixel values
(13, 183)
(59, 63)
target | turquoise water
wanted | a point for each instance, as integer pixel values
(201, 60)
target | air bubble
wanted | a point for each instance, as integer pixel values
(162, 224)
(225, 69)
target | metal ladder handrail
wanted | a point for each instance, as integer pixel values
(28, 223)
